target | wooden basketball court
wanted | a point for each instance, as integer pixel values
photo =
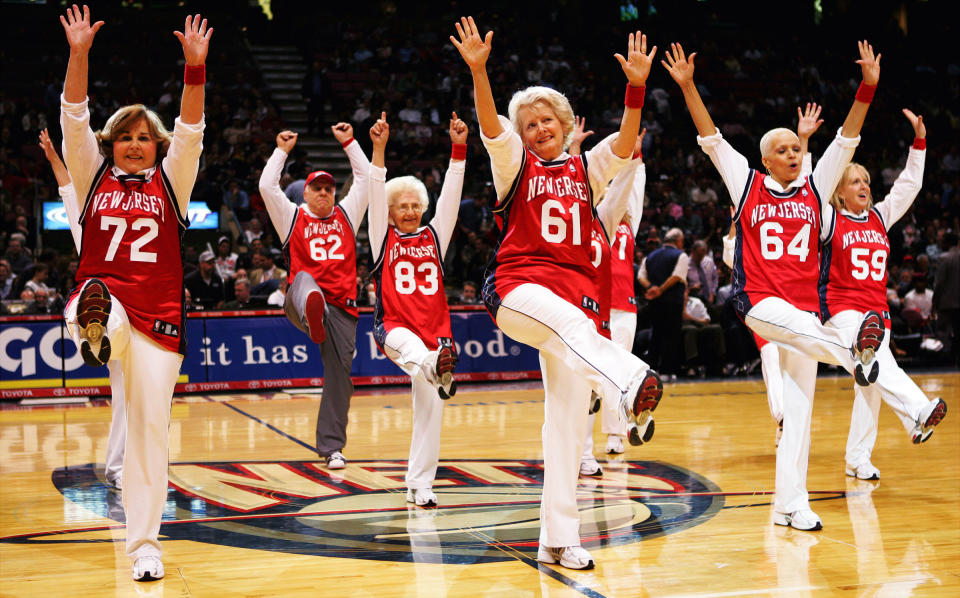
(252, 511)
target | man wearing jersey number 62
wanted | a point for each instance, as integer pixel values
(411, 322)
(319, 238)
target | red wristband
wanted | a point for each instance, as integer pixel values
(920, 143)
(194, 75)
(459, 151)
(634, 96)
(865, 93)
(347, 142)
(637, 155)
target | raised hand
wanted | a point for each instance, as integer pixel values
(576, 139)
(679, 65)
(343, 132)
(636, 66)
(808, 120)
(869, 64)
(916, 121)
(286, 140)
(47, 146)
(638, 146)
(472, 47)
(195, 40)
(80, 32)
(458, 130)
(380, 131)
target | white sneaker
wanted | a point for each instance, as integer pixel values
(116, 482)
(148, 568)
(864, 471)
(589, 467)
(336, 460)
(422, 497)
(804, 519)
(571, 557)
(931, 415)
(614, 444)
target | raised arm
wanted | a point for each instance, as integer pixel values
(475, 51)
(622, 192)
(680, 67)
(636, 66)
(448, 205)
(808, 121)
(56, 164)
(907, 186)
(69, 196)
(195, 40)
(378, 219)
(870, 67)
(281, 210)
(355, 203)
(80, 34)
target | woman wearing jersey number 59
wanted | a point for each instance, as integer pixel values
(136, 181)
(540, 285)
(853, 279)
(781, 216)
(411, 323)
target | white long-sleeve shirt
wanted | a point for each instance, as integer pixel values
(282, 211)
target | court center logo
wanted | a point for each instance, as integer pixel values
(489, 509)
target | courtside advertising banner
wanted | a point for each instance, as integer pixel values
(233, 351)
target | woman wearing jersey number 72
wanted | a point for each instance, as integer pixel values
(540, 280)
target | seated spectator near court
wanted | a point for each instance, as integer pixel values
(704, 345)
(205, 284)
(469, 295)
(242, 298)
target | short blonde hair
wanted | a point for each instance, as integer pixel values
(397, 186)
(123, 119)
(552, 98)
(835, 200)
(766, 142)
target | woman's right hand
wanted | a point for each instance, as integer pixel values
(286, 140)
(474, 49)
(80, 33)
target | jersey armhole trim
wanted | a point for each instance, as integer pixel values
(745, 194)
(504, 203)
(183, 219)
(97, 178)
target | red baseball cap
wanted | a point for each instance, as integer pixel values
(320, 176)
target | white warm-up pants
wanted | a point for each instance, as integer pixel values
(772, 379)
(623, 328)
(411, 355)
(149, 375)
(893, 385)
(113, 469)
(780, 322)
(576, 358)
(799, 374)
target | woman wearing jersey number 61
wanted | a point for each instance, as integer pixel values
(540, 286)
(853, 279)
(411, 323)
(136, 180)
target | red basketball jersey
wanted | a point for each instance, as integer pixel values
(621, 264)
(778, 246)
(546, 222)
(853, 271)
(600, 250)
(326, 249)
(410, 293)
(131, 241)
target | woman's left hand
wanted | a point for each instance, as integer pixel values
(195, 40)
(458, 130)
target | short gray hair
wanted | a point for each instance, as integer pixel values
(672, 235)
(767, 140)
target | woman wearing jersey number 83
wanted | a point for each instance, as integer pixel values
(853, 277)
(781, 216)
(540, 281)
(136, 180)
(411, 322)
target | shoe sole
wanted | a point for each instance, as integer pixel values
(315, 308)
(446, 363)
(594, 404)
(935, 417)
(866, 379)
(869, 337)
(93, 311)
(648, 395)
(636, 437)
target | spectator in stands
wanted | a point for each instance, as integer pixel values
(265, 269)
(704, 345)
(278, 297)
(946, 292)
(6, 279)
(702, 277)
(242, 298)
(663, 275)
(469, 295)
(205, 284)
(17, 256)
(237, 200)
(920, 298)
(316, 91)
(226, 259)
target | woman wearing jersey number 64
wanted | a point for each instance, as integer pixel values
(128, 305)
(540, 285)
(411, 323)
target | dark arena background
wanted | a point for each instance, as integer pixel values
(252, 509)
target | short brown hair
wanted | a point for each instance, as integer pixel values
(124, 119)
